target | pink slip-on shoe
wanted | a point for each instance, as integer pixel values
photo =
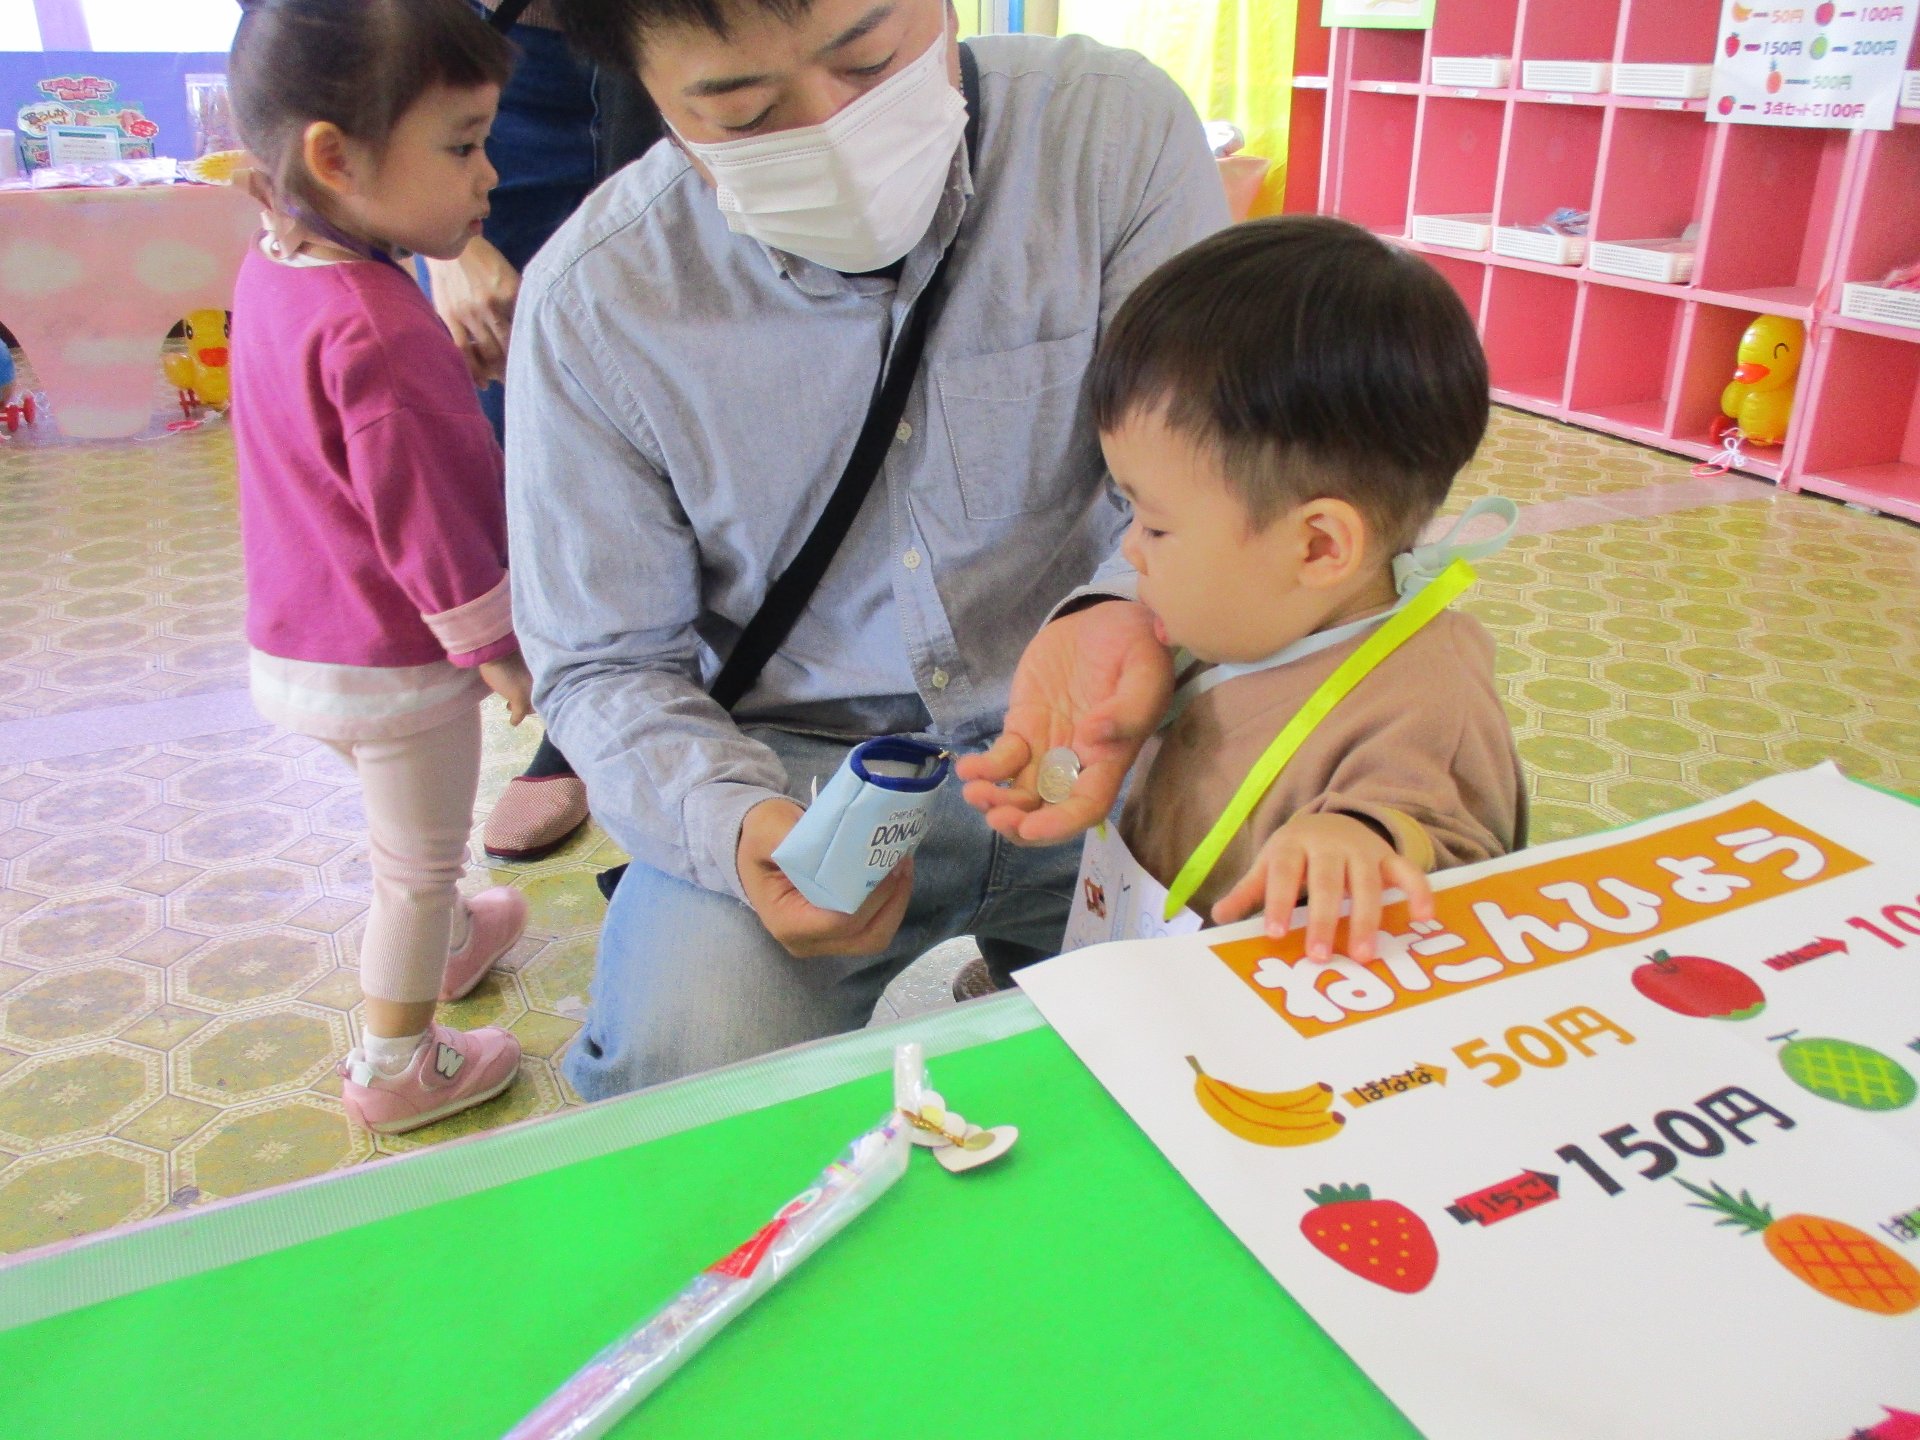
(453, 1070)
(534, 816)
(499, 918)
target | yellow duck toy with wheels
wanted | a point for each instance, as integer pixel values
(200, 375)
(1760, 399)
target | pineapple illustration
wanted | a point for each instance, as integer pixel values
(1839, 1261)
(1845, 1072)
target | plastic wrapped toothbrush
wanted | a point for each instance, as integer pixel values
(634, 1366)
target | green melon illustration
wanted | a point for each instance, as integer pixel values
(1845, 1072)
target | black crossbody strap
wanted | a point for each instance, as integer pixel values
(788, 595)
(509, 11)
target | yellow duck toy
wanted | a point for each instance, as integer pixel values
(200, 375)
(1760, 399)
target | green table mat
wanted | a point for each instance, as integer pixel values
(1078, 1287)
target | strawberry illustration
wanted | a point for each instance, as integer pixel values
(1692, 985)
(1378, 1240)
(1899, 1425)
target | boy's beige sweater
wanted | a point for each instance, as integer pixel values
(1421, 747)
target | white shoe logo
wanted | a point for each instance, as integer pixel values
(448, 1061)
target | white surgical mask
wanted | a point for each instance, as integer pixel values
(857, 192)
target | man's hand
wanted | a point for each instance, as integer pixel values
(475, 296)
(804, 928)
(1097, 681)
(1328, 857)
(507, 677)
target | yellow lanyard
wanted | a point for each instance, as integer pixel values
(1398, 628)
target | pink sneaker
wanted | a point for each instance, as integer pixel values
(499, 919)
(453, 1070)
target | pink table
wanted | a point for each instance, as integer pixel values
(91, 281)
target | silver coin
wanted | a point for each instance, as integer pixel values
(1059, 768)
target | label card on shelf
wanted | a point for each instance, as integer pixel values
(1816, 66)
(1378, 14)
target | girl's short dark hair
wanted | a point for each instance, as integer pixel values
(357, 63)
(1314, 359)
(610, 33)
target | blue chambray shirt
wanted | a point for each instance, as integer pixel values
(682, 401)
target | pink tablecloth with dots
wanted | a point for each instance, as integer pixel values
(91, 281)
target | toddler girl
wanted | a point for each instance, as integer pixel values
(372, 496)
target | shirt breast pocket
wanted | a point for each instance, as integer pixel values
(1020, 425)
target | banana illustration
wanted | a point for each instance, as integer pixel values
(1279, 1117)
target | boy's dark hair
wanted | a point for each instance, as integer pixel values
(1314, 359)
(357, 63)
(610, 33)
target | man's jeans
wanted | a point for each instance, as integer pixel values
(689, 979)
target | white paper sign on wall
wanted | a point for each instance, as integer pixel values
(1814, 64)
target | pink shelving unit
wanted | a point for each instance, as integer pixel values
(1785, 217)
(1307, 124)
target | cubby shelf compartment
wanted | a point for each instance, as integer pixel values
(1784, 219)
(1625, 347)
(1861, 437)
(1528, 331)
(1769, 230)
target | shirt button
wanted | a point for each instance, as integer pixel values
(903, 433)
(911, 559)
(940, 678)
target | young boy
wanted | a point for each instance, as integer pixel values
(1286, 405)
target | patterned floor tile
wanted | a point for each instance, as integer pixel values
(70, 1095)
(250, 1147)
(69, 1007)
(250, 969)
(1656, 662)
(164, 1124)
(273, 1051)
(59, 1194)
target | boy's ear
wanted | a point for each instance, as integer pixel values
(331, 159)
(1335, 538)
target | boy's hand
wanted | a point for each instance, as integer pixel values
(1327, 858)
(1095, 680)
(508, 678)
(804, 929)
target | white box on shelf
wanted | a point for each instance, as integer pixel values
(1573, 77)
(1456, 232)
(1910, 91)
(1876, 302)
(1663, 82)
(1547, 246)
(1486, 72)
(1668, 261)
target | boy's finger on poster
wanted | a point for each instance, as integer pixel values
(1412, 882)
(1363, 920)
(1326, 888)
(1286, 885)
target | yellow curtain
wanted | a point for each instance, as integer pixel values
(1234, 58)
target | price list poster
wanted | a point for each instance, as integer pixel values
(1626, 1141)
(1823, 65)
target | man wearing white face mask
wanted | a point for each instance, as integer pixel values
(799, 454)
